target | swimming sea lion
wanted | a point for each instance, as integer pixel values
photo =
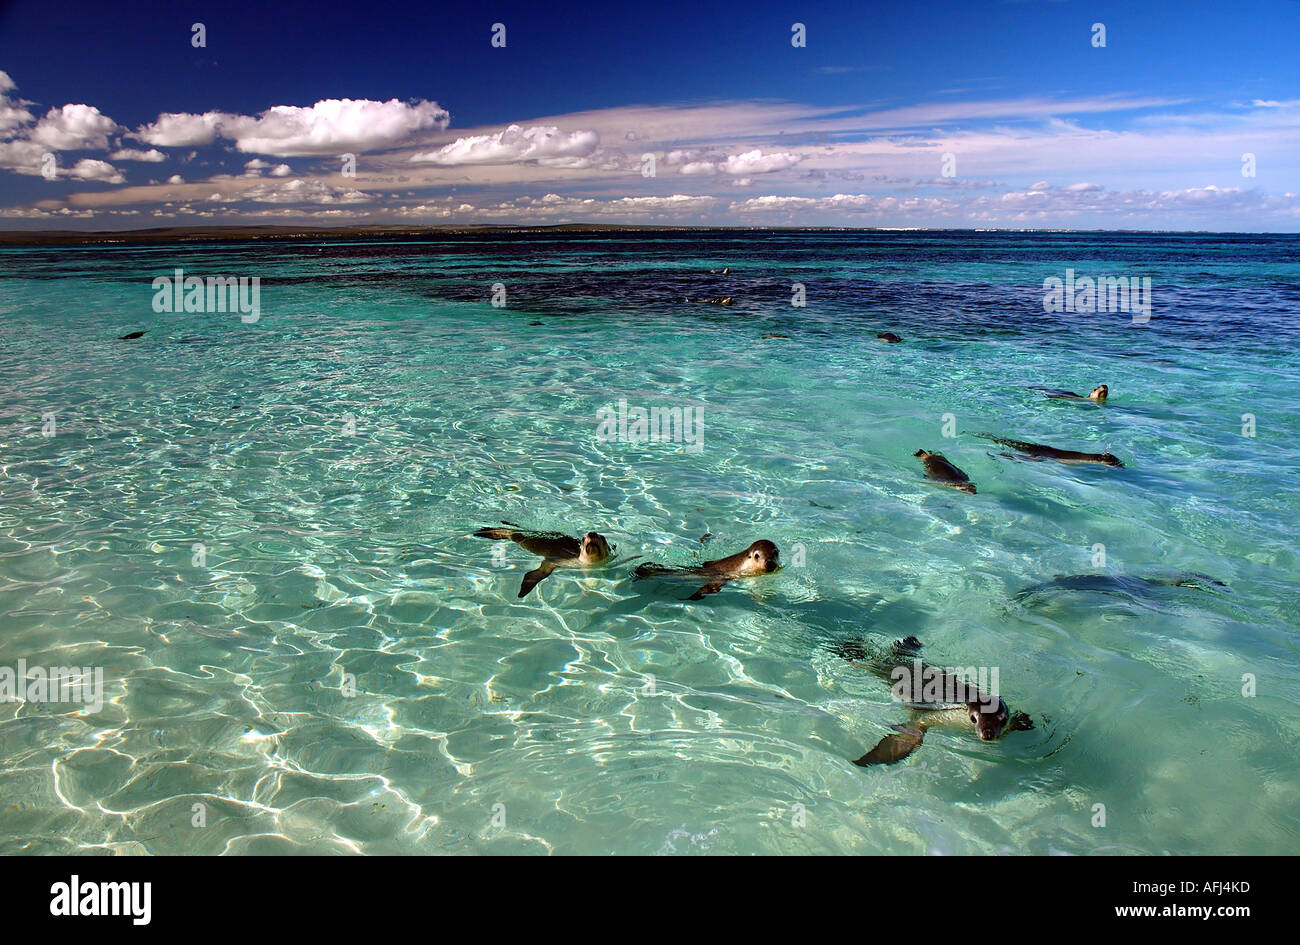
(889, 336)
(1118, 584)
(556, 551)
(771, 335)
(917, 684)
(759, 558)
(944, 472)
(132, 336)
(1038, 451)
(1098, 394)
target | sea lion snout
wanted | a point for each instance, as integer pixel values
(763, 556)
(989, 722)
(1099, 393)
(594, 546)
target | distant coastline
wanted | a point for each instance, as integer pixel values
(183, 234)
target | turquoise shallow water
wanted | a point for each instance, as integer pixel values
(328, 555)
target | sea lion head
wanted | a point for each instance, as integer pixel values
(1110, 459)
(989, 720)
(762, 557)
(1099, 393)
(594, 548)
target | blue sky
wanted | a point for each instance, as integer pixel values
(941, 114)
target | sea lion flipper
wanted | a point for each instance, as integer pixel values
(711, 588)
(1019, 722)
(893, 748)
(496, 534)
(851, 650)
(536, 576)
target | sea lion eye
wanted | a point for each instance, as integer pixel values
(975, 716)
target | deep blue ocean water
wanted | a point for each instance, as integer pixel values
(262, 534)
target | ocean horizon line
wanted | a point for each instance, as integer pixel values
(286, 231)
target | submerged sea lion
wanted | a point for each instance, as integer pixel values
(555, 549)
(889, 336)
(772, 335)
(1038, 451)
(945, 473)
(718, 301)
(915, 681)
(762, 557)
(131, 336)
(1098, 394)
(1117, 584)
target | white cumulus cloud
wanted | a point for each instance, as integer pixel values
(24, 157)
(756, 162)
(12, 114)
(737, 165)
(74, 127)
(153, 155)
(91, 169)
(180, 129)
(513, 144)
(333, 126)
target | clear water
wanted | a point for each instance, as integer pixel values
(328, 554)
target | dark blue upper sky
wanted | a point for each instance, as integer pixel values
(133, 61)
(136, 59)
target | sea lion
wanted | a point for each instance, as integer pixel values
(917, 684)
(762, 557)
(771, 335)
(556, 551)
(1038, 451)
(720, 300)
(1097, 395)
(1118, 584)
(131, 336)
(889, 336)
(945, 473)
